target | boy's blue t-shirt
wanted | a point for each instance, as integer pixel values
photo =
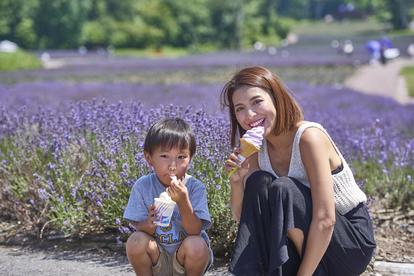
(142, 196)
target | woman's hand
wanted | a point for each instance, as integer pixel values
(233, 162)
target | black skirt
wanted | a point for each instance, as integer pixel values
(273, 206)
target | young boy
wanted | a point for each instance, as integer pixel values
(183, 247)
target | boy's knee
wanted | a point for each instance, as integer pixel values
(138, 243)
(195, 247)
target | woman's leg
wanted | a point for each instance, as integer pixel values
(250, 248)
(270, 208)
(352, 245)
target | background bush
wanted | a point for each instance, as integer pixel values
(17, 61)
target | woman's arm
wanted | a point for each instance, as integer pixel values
(315, 148)
(237, 182)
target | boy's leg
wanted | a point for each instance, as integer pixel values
(193, 255)
(143, 252)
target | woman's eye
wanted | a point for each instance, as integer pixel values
(238, 109)
(163, 156)
(257, 101)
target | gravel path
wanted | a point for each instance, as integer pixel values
(19, 261)
(377, 79)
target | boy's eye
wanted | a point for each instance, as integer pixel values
(163, 155)
(182, 156)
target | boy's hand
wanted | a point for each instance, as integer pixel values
(177, 191)
(151, 217)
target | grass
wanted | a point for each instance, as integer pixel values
(408, 74)
(165, 51)
(345, 28)
(19, 60)
(312, 74)
(151, 52)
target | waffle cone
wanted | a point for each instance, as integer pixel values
(247, 148)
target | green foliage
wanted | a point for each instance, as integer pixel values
(152, 52)
(64, 193)
(159, 23)
(408, 73)
(58, 24)
(94, 34)
(223, 230)
(19, 60)
(226, 19)
(25, 33)
(399, 15)
(16, 22)
(342, 30)
(387, 181)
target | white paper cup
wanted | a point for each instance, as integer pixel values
(163, 212)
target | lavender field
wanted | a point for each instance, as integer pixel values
(71, 138)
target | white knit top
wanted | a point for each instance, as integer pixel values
(347, 194)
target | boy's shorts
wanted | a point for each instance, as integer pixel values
(168, 264)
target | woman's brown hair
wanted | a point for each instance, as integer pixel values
(288, 110)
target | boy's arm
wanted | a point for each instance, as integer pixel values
(148, 226)
(144, 226)
(191, 223)
(137, 213)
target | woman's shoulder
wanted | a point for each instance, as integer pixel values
(313, 135)
(308, 124)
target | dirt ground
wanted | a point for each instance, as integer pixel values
(394, 234)
(20, 255)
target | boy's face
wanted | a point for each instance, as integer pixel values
(169, 162)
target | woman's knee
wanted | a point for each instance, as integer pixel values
(283, 184)
(259, 180)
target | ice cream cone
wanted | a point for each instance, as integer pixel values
(246, 150)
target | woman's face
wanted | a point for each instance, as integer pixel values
(254, 107)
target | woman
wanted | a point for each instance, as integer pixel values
(299, 209)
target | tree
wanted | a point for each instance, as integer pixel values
(16, 21)
(227, 20)
(399, 14)
(58, 23)
(193, 21)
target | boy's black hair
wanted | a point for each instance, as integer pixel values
(169, 133)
